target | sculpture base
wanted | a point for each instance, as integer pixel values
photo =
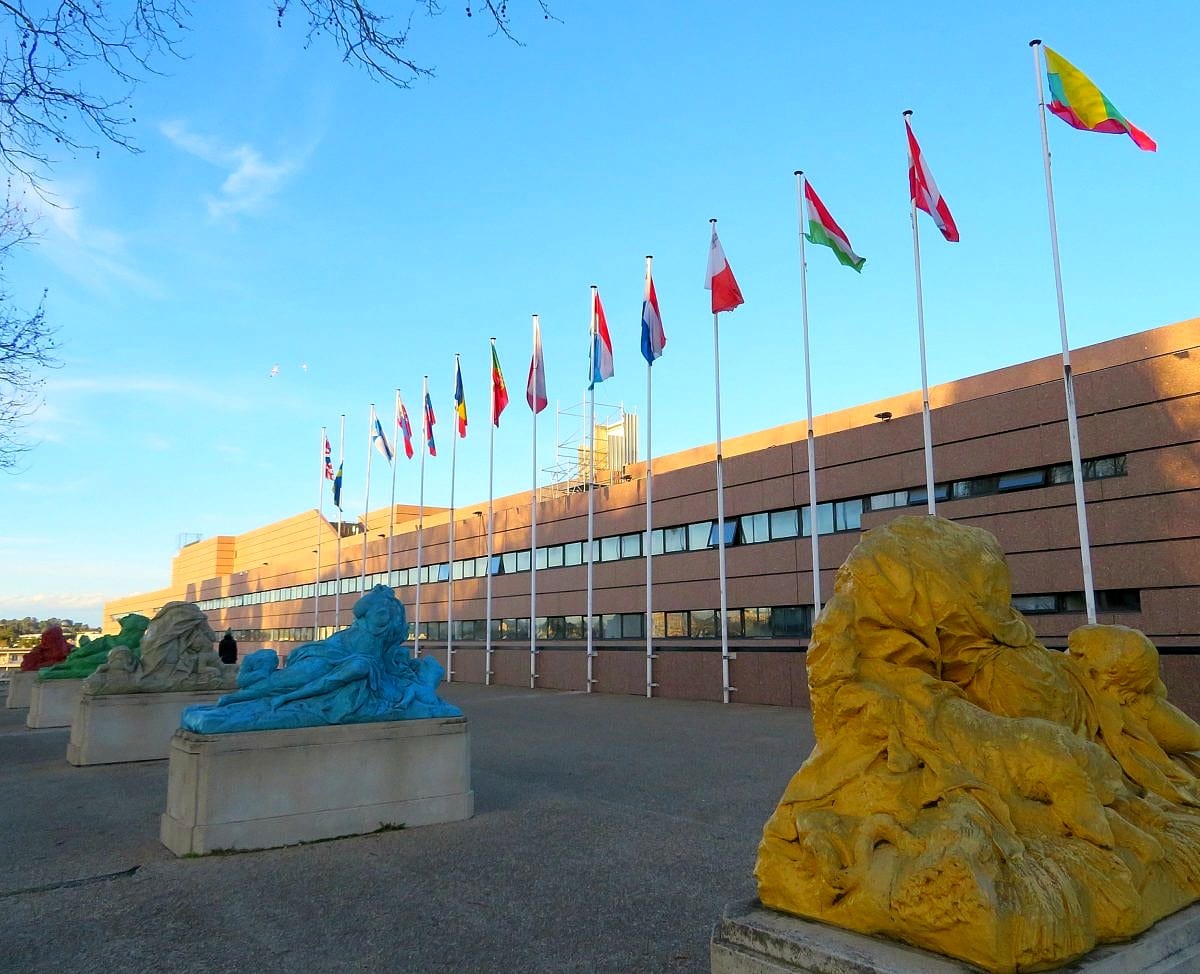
(750, 939)
(262, 789)
(20, 688)
(111, 728)
(52, 703)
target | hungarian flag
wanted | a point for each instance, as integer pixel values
(823, 230)
(499, 389)
(535, 386)
(1082, 105)
(726, 295)
(460, 400)
(328, 460)
(654, 339)
(602, 356)
(337, 488)
(429, 421)
(404, 426)
(924, 190)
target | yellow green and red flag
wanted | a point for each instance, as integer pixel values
(499, 389)
(1082, 105)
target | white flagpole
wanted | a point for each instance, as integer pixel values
(337, 594)
(487, 651)
(533, 532)
(450, 567)
(320, 525)
(392, 507)
(725, 687)
(929, 483)
(425, 431)
(1085, 551)
(649, 519)
(362, 583)
(591, 484)
(814, 529)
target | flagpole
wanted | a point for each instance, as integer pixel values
(814, 531)
(450, 567)
(1085, 553)
(591, 483)
(320, 518)
(725, 687)
(362, 584)
(337, 593)
(487, 651)
(533, 528)
(392, 507)
(929, 488)
(649, 518)
(421, 518)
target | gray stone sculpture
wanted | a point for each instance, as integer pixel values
(177, 654)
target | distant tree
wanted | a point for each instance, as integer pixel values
(68, 69)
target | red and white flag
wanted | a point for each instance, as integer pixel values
(924, 190)
(726, 295)
(535, 386)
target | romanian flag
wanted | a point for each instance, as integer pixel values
(404, 426)
(429, 421)
(1082, 105)
(460, 400)
(337, 488)
(823, 230)
(726, 295)
(499, 389)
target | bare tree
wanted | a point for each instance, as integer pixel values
(68, 69)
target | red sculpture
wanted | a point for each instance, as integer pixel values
(52, 649)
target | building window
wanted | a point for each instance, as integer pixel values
(785, 524)
(700, 536)
(573, 553)
(731, 526)
(824, 519)
(674, 539)
(633, 625)
(610, 548)
(631, 545)
(756, 528)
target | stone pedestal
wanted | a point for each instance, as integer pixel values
(52, 703)
(110, 728)
(261, 789)
(20, 688)
(750, 939)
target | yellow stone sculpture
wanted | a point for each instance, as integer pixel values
(970, 791)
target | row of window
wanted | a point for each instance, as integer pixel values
(756, 528)
(1107, 600)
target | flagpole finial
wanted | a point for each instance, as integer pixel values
(649, 257)
(713, 220)
(1035, 42)
(906, 112)
(492, 339)
(798, 172)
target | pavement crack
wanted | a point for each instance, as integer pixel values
(85, 881)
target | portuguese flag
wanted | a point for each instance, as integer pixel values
(1082, 105)
(823, 230)
(499, 389)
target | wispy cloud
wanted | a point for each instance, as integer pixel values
(252, 179)
(169, 388)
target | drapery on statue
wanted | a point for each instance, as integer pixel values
(89, 654)
(176, 655)
(51, 648)
(360, 674)
(970, 791)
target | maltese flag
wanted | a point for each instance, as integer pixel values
(726, 295)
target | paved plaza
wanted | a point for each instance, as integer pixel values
(608, 834)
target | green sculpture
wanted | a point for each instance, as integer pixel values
(91, 653)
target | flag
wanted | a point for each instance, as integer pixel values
(1082, 105)
(460, 400)
(380, 441)
(403, 425)
(328, 460)
(924, 190)
(337, 488)
(602, 357)
(535, 385)
(499, 389)
(654, 339)
(429, 421)
(726, 295)
(823, 229)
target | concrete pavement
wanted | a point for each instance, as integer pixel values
(609, 834)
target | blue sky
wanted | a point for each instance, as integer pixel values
(287, 210)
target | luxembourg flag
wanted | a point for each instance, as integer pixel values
(404, 426)
(654, 339)
(924, 190)
(602, 356)
(726, 295)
